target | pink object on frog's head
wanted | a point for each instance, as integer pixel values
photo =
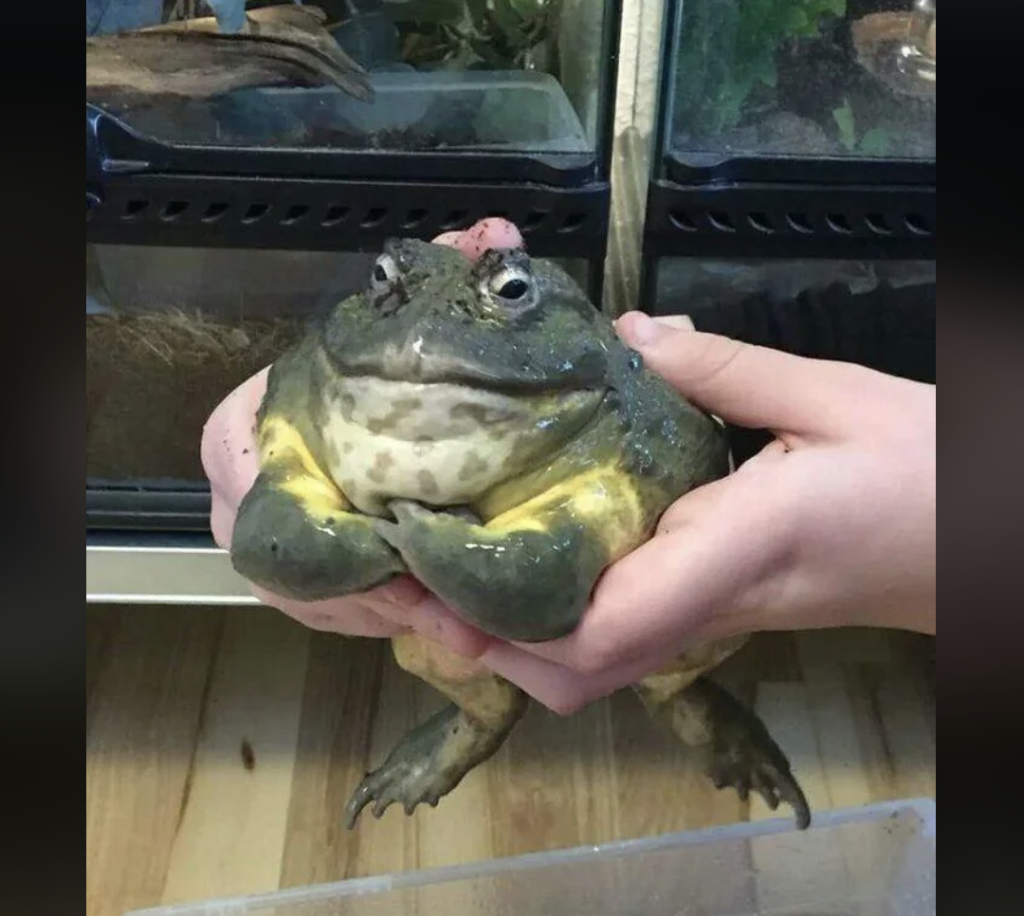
(491, 232)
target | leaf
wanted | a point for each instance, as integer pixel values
(844, 121)
(528, 9)
(507, 19)
(796, 19)
(875, 142)
(486, 52)
(478, 11)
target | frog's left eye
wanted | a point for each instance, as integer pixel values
(385, 272)
(512, 288)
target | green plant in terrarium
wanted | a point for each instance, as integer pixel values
(472, 34)
(727, 51)
(873, 142)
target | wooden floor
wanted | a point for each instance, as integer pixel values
(222, 746)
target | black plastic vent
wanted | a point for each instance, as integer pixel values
(158, 210)
(790, 221)
(334, 215)
(803, 224)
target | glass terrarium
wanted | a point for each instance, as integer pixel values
(343, 87)
(693, 286)
(169, 332)
(766, 85)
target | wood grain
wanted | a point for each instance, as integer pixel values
(223, 744)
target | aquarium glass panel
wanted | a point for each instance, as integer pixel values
(170, 332)
(358, 75)
(805, 78)
(692, 285)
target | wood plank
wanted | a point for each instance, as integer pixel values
(140, 744)
(339, 706)
(854, 711)
(233, 826)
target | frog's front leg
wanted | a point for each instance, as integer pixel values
(527, 573)
(296, 534)
(433, 758)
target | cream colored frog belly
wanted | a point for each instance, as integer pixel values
(438, 444)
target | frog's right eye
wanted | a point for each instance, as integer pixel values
(385, 272)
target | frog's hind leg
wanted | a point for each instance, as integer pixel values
(734, 746)
(433, 758)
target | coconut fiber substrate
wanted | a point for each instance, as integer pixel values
(152, 380)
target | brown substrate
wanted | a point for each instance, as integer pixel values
(151, 381)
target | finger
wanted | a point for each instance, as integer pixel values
(484, 235)
(706, 500)
(346, 616)
(744, 384)
(655, 598)
(561, 689)
(373, 613)
(696, 504)
(431, 619)
(676, 322)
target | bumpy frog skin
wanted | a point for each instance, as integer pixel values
(482, 427)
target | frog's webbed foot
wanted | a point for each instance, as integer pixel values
(736, 748)
(746, 757)
(434, 757)
(425, 765)
(526, 579)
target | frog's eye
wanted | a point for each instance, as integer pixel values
(385, 272)
(512, 288)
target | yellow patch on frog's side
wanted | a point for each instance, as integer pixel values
(282, 449)
(603, 499)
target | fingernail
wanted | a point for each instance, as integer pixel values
(639, 329)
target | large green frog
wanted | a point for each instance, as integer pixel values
(481, 426)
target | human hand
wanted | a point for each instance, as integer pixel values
(229, 456)
(833, 524)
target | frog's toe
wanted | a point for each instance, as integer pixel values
(410, 521)
(407, 510)
(732, 742)
(746, 759)
(420, 770)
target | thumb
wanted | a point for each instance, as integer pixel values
(746, 385)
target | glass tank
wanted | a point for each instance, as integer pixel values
(169, 332)
(758, 79)
(690, 286)
(511, 76)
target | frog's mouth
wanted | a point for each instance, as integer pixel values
(412, 361)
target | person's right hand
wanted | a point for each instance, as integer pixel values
(833, 524)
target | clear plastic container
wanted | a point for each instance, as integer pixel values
(877, 860)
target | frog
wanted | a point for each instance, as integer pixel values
(480, 426)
